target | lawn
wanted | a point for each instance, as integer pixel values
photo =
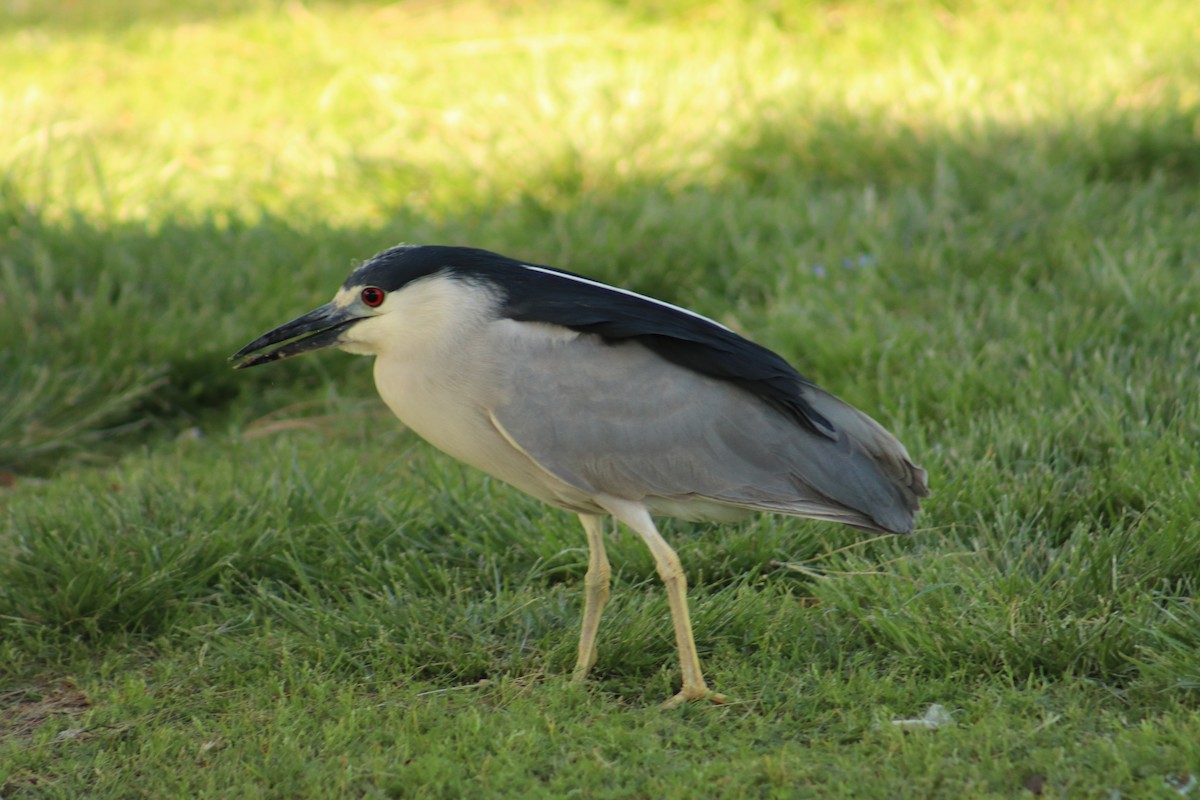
(976, 221)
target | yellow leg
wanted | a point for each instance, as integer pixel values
(671, 571)
(595, 586)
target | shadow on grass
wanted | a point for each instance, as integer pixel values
(847, 151)
(124, 326)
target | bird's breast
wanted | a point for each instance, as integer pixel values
(441, 406)
(447, 402)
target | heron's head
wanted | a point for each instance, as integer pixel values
(403, 292)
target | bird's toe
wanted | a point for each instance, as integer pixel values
(695, 694)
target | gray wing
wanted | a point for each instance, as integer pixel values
(618, 419)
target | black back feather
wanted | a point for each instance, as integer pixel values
(555, 296)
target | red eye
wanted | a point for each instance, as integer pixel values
(373, 296)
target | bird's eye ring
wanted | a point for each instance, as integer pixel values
(372, 296)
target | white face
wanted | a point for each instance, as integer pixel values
(350, 299)
(372, 306)
(424, 315)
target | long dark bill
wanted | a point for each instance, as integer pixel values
(319, 328)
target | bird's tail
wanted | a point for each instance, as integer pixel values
(909, 482)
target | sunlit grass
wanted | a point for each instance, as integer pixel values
(452, 107)
(975, 220)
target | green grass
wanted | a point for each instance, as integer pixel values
(977, 221)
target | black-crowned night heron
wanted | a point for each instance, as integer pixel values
(602, 401)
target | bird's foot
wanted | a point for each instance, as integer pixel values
(695, 694)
